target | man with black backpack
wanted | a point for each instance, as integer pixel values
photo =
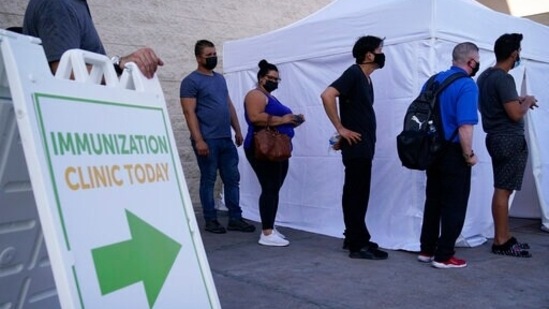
(449, 175)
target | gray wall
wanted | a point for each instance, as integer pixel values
(171, 27)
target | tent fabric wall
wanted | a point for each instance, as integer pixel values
(420, 36)
(538, 134)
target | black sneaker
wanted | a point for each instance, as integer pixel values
(373, 245)
(215, 227)
(369, 253)
(346, 245)
(240, 225)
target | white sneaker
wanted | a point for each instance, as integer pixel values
(423, 258)
(272, 240)
(278, 233)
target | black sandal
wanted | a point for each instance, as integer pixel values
(512, 248)
(522, 245)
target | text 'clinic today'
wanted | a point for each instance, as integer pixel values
(104, 176)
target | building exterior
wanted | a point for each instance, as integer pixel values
(536, 10)
(171, 28)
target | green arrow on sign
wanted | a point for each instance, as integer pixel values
(147, 257)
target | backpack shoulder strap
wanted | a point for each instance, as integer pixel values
(450, 79)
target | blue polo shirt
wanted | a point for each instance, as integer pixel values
(458, 103)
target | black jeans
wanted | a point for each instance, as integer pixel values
(271, 177)
(356, 195)
(447, 194)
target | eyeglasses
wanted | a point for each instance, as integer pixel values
(273, 78)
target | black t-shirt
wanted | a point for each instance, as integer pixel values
(496, 88)
(356, 111)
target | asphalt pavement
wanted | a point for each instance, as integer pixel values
(314, 272)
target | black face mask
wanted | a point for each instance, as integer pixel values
(270, 86)
(379, 59)
(517, 62)
(475, 69)
(211, 63)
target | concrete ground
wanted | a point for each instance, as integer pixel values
(314, 272)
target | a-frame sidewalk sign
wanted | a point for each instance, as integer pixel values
(89, 167)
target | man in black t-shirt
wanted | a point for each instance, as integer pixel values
(356, 125)
(502, 112)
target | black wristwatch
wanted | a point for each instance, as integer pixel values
(468, 156)
(116, 63)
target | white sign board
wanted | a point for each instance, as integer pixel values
(111, 195)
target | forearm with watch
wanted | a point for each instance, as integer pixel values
(467, 155)
(466, 141)
(116, 63)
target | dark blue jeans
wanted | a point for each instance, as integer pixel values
(448, 187)
(223, 156)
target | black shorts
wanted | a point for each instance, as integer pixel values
(509, 155)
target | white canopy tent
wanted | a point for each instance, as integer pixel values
(420, 36)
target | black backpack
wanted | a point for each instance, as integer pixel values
(422, 138)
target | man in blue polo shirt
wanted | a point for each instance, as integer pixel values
(449, 177)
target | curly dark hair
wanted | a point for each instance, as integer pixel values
(264, 68)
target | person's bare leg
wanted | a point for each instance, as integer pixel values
(500, 214)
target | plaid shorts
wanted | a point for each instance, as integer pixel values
(509, 155)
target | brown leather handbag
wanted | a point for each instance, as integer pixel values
(272, 145)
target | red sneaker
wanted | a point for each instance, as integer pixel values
(452, 262)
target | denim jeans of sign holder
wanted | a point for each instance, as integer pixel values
(223, 156)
